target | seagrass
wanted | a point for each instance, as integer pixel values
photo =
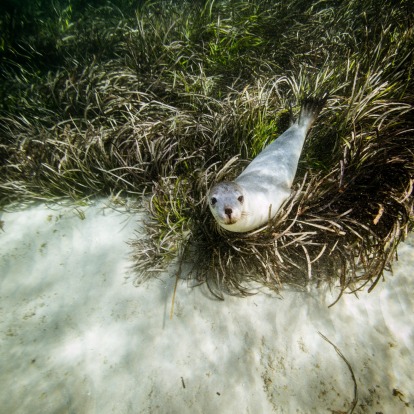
(159, 101)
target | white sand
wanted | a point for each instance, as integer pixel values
(77, 337)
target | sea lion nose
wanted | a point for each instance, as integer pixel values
(228, 212)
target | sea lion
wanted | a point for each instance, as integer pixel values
(257, 193)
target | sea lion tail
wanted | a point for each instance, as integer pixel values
(310, 109)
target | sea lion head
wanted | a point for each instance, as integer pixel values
(227, 203)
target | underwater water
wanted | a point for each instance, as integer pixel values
(164, 98)
(76, 336)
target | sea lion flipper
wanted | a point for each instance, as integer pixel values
(310, 109)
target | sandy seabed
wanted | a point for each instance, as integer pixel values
(77, 337)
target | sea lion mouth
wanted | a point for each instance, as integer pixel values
(230, 221)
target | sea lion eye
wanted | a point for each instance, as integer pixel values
(213, 200)
(241, 199)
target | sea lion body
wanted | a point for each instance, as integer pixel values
(256, 195)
